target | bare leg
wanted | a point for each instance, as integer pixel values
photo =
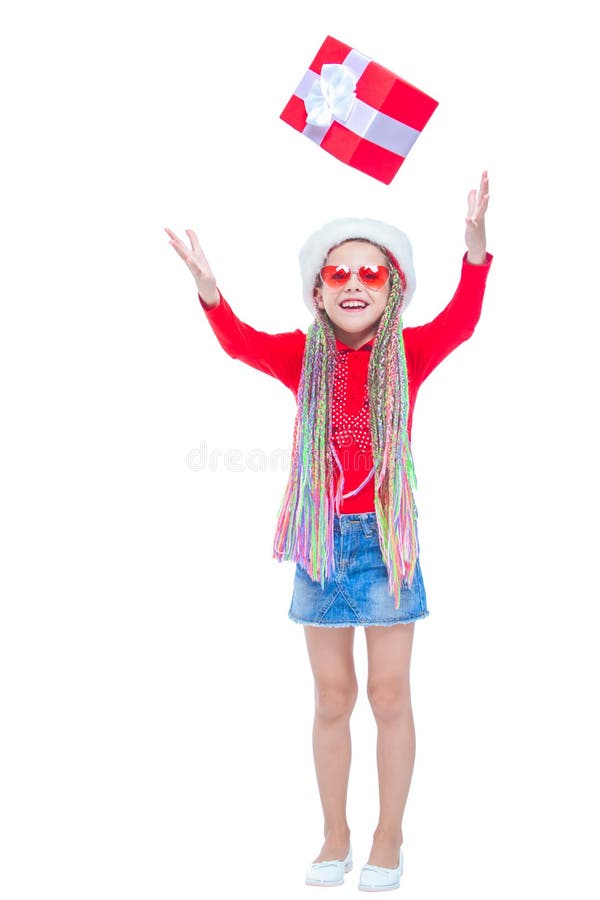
(336, 689)
(388, 689)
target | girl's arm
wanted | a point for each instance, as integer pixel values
(279, 355)
(429, 344)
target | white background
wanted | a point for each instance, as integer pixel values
(156, 701)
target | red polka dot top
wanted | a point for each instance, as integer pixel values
(280, 355)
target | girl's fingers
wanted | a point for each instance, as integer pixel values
(482, 205)
(198, 252)
(193, 238)
(484, 185)
(184, 254)
(174, 237)
(478, 200)
(192, 264)
(194, 257)
(471, 203)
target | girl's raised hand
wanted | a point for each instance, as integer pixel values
(198, 265)
(477, 206)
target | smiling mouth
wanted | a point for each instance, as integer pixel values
(353, 305)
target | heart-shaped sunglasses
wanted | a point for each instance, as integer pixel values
(372, 277)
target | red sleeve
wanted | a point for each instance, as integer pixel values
(279, 355)
(429, 344)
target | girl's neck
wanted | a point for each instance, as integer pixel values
(355, 340)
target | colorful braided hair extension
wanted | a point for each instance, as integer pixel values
(306, 514)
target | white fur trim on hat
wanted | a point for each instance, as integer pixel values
(315, 250)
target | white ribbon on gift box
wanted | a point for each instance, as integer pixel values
(331, 97)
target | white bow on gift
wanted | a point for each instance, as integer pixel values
(331, 96)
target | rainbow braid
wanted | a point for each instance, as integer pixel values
(305, 520)
(306, 514)
(395, 478)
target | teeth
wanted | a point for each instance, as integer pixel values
(353, 305)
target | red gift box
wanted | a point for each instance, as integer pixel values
(361, 113)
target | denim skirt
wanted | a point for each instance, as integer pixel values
(358, 593)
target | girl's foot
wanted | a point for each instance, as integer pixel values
(335, 847)
(385, 852)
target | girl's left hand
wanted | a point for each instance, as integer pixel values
(475, 233)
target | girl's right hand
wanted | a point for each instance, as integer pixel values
(198, 266)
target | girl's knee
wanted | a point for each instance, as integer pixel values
(335, 701)
(389, 700)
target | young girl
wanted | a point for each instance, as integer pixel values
(348, 518)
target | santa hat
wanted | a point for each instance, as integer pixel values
(314, 252)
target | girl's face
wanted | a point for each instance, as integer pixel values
(354, 327)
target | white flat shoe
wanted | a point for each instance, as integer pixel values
(329, 872)
(379, 878)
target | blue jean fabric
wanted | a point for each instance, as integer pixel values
(358, 593)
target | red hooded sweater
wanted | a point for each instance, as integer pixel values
(280, 355)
